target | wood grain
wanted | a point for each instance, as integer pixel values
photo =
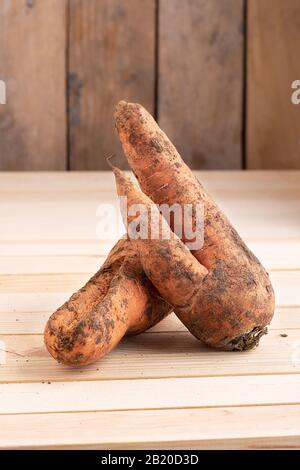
(111, 57)
(148, 394)
(209, 428)
(200, 80)
(94, 181)
(286, 286)
(274, 256)
(276, 216)
(22, 322)
(273, 133)
(50, 264)
(32, 63)
(155, 355)
(162, 389)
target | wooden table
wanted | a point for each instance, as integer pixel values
(162, 389)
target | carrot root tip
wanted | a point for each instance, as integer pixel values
(246, 341)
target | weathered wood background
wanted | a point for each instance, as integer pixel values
(216, 74)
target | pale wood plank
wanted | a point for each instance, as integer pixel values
(285, 283)
(55, 221)
(32, 302)
(33, 322)
(284, 318)
(151, 355)
(50, 264)
(277, 255)
(272, 119)
(273, 255)
(111, 57)
(275, 211)
(14, 181)
(258, 216)
(249, 180)
(28, 197)
(109, 194)
(13, 323)
(64, 182)
(57, 181)
(32, 63)
(285, 286)
(281, 443)
(194, 84)
(241, 427)
(265, 218)
(52, 248)
(149, 394)
(104, 180)
(28, 258)
(37, 283)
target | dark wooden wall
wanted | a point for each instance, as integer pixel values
(216, 74)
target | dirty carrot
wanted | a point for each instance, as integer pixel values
(234, 302)
(117, 300)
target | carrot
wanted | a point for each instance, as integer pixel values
(234, 302)
(117, 300)
(166, 260)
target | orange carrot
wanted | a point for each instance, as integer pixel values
(117, 300)
(234, 302)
